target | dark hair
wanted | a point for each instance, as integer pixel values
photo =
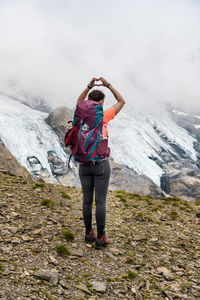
(96, 95)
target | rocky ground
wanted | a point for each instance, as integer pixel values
(155, 250)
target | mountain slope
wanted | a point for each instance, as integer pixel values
(155, 251)
(9, 164)
(142, 144)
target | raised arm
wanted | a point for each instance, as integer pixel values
(120, 100)
(86, 90)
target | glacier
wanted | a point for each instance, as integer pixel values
(26, 134)
(134, 137)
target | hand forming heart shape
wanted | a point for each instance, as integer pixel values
(98, 82)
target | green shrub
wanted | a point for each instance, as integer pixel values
(149, 202)
(37, 184)
(62, 250)
(65, 195)
(48, 202)
(86, 275)
(109, 279)
(121, 198)
(1, 267)
(135, 196)
(132, 275)
(121, 192)
(68, 235)
(174, 215)
(140, 216)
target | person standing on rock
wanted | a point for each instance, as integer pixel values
(95, 177)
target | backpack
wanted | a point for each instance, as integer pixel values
(85, 137)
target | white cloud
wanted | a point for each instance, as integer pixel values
(149, 49)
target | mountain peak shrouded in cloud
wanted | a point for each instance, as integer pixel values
(150, 50)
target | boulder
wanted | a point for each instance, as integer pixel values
(8, 164)
(185, 187)
(58, 120)
(124, 178)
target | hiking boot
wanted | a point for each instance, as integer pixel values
(102, 242)
(90, 237)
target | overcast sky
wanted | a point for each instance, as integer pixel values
(148, 49)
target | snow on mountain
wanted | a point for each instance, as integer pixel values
(137, 139)
(25, 134)
(137, 136)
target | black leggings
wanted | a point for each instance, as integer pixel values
(95, 178)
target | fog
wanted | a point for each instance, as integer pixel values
(148, 49)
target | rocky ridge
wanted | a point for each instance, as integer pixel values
(9, 164)
(155, 250)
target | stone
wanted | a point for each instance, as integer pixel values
(50, 297)
(133, 290)
(37, 231)
(16, 240)
(14, 214)
(83, 288)
(5, 250)
(63, 283)
(165, 272)
(5, 232)
(26, 273)
(111, 256)
(49, 275)
(114, 251)
(9, 163)
(77, 252)
(99, 286)
(53, 260)
(12, 229)
(26, 238)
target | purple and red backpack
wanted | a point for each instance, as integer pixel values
(85, 138)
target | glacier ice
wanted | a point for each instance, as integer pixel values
(133, 139)
(134, 136)
(26, 134)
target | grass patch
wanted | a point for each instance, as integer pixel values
(39, 185)
(121, 192)
(149, 202)
(197, 202)
(174, 215)
(65, 195)
(140, 217)
(150, 219)
(134, 205)
(48, 203)
(109, 279)
(132, 275)
(155, 208)
(122, 198)
(68, 235)
(136, 196)
(1, 268)
(86, 275)
(62, 250)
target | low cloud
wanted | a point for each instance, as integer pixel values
(149, 50)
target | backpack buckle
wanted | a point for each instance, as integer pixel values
(93, 163)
